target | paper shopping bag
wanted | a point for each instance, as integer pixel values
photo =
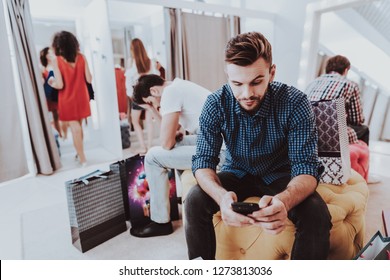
(333, 145)
(120, 167)
(378, 248)
(95, 206)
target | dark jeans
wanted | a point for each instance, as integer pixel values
(311, 218)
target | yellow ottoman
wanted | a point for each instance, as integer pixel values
(346, 203)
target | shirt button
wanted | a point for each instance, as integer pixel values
(242, 251)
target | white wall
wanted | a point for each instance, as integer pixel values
(96, 34)
(365, 55)
(287, 34)
(147, 21)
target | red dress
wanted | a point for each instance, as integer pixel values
(73, 98)
(121, 90)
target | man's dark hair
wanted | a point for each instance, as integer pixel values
(66, 45)
(144, 83)
(337, 64)
(246, 48)
(42, 56)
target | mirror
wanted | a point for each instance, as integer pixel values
(359, 31)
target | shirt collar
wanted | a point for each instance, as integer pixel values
(334, 74)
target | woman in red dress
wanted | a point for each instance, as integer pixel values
(73, 97)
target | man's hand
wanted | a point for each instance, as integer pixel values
(230, 217)
(179, 136)
(146, 106)
(272, 216)
(52, 58)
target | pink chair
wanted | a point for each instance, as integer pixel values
(360, 156)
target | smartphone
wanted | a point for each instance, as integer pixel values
(245, 208)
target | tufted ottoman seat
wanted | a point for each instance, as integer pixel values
(346, 203)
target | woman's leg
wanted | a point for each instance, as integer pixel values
(56, 122)
(64, 129)
(149, 127)
(135, 119)
(129, 110)
(77, 134)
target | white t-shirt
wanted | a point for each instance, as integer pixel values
(187, 98)
(132, 76)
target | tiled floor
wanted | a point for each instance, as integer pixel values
(34, 220)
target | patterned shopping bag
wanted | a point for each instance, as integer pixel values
(333, 145)
(96, 210)
(138, 192)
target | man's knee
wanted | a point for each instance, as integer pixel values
(315, 212)
(192, 197)
(196, 201)
(151, 156)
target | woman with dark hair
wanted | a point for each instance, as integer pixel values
(140, 65)
(46, 58)
(73, 97)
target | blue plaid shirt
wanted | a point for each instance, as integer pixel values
(279, 140)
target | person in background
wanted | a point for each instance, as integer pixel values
(180, 103)
(120, 80)
(72, 72)
(334, 84)
(140, 64)
(46, 58)
(271, 151)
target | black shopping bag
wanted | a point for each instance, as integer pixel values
(95, 206)
(120, 167)
(378, 248)
(138, 192)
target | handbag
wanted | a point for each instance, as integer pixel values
(91, 92)
(378, 248)
(95, 206)
(125, 134)
(137, 189)
(333, 145)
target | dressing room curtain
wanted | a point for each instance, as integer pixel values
(13, 161)
(197, 44)
(43, 146)
(174, 44)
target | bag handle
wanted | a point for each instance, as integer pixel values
(91, 176)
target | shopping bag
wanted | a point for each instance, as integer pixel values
(120, 167)
(139, 196)
(125, 134)
(333, 145)
(378, 248)
(95, 206)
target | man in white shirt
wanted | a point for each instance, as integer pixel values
(178, 103)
